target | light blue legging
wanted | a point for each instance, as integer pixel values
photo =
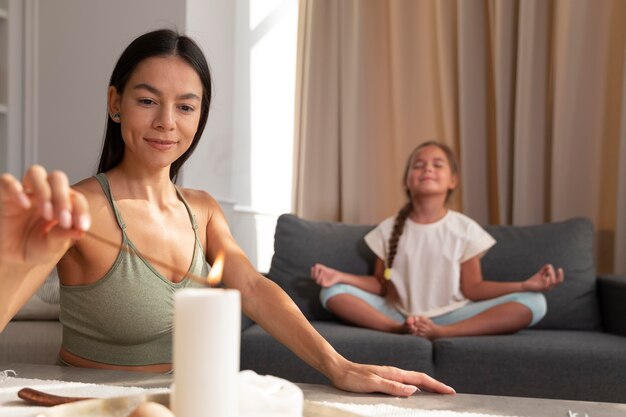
(535, 301)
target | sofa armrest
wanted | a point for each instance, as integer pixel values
(612, 299)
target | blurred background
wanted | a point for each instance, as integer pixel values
(318, 104)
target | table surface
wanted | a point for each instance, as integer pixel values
(485, 404)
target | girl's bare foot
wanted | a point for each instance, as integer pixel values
(426, 328)
(411, 324)
(404, 328)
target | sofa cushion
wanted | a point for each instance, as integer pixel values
(44, 304)
(566, 364)
(261, 353)
(299, 244)
(521, 250)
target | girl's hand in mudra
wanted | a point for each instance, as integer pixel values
(544, 280)
(325, 276)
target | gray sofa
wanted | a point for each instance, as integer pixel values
(578, 351)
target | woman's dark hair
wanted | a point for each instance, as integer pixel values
(160, 43)
(403, 214)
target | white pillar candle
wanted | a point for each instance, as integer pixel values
(207, 327)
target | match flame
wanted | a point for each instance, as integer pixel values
(215, 274)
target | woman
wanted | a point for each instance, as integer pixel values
(115, 303)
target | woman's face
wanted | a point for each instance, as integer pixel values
(159, 110)
(430, 173)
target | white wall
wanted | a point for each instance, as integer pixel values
(245, 156)
(210, 23)
(11, 96)
(76, 46)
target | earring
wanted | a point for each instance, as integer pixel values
(115, 117)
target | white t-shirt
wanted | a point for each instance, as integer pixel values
(426, 271)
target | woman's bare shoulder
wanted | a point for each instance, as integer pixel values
(203, 204)
(89, 187)
(199, 198)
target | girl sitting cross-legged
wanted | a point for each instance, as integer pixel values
(427, 279)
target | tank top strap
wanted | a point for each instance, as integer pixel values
(104, 183)
(192, 216)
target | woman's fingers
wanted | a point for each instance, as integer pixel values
(55, 200)
(11, 189)
(80, 211)
(60, 198)
(390, 380)
(397, 389)
(40, 216)
(37, 188)
(420, 380)
(52, 195)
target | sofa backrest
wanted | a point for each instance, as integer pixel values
(520, 251)
(299, 244)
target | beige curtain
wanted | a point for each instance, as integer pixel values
(529, 93)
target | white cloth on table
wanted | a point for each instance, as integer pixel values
(385, 410)
(12, 406)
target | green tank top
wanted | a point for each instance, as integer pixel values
(126, 317)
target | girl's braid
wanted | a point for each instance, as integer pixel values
(398, 227)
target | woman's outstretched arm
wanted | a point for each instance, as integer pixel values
(268, 305)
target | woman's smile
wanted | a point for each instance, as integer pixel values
(161, 144)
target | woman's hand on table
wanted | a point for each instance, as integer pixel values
(386, 379)
(39, 217)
